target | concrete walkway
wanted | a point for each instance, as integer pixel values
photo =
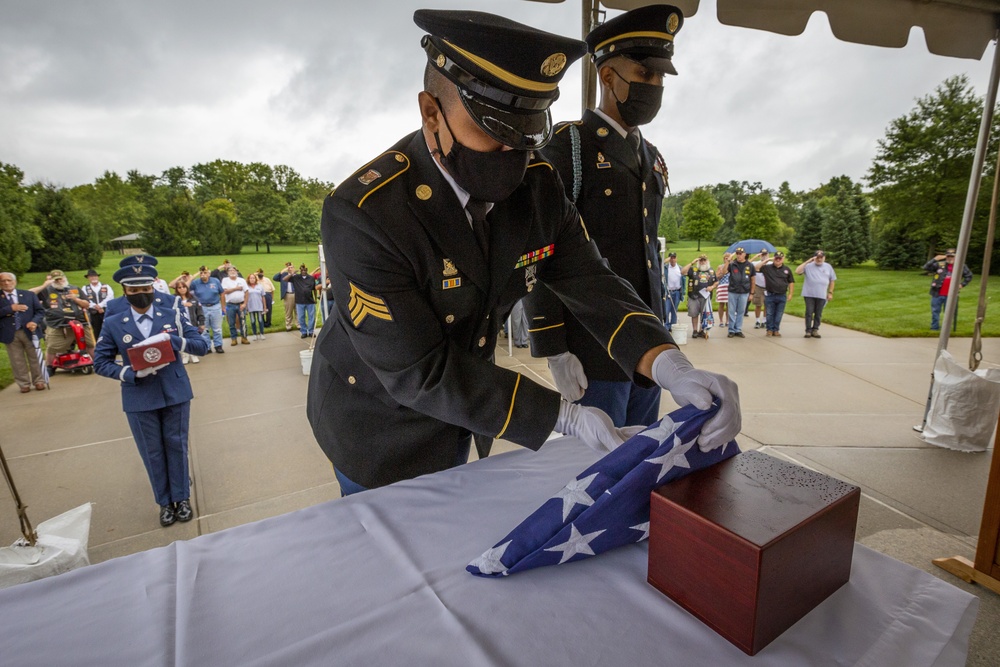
(843, 404)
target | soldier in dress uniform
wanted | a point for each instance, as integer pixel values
(156, 399)
(431, 244)
(618, 181)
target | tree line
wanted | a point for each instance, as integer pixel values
(209, 209)
(912, 207)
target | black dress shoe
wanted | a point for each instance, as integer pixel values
(184, 511)
(167, 515)
(219, 350)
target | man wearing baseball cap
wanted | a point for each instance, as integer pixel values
(157, 397)
(942, 267)
(618, 181)
(430, 245)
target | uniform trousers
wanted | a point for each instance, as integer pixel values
(162, 438)
(349, 487)
(626, 403)
(23, 359)
(290, 311)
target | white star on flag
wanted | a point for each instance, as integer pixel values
(489, 562)
(644, 527)
(663, 430)
(673, 459)
(576, 544)
(575, 493)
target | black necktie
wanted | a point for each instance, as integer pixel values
(635, 141)
(480, 225)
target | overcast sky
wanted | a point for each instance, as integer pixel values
(326, 86)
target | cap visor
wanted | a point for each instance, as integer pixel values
(524, 131)
(658, 64)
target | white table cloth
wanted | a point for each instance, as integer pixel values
(379, 579)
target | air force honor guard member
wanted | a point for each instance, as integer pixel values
(618, 181)
(160, 299)
(432, 243)
(156, 400)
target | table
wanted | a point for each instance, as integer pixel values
(379, 579)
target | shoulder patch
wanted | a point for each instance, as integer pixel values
(368, 179)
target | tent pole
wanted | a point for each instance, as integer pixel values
(589, 73)
(951, 305)
(976, 350)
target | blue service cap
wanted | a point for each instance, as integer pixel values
(507, 73)
(645, 35)
(136, 271)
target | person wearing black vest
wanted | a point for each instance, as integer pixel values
(98, 294)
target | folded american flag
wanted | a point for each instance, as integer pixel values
(607, 505)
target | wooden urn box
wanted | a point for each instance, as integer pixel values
(752, 544)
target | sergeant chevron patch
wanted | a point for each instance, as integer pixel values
(362, 305)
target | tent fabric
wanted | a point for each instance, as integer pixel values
(958, 28)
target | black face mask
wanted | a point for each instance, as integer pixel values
(491, 176)
(140, 300)
(641, 105)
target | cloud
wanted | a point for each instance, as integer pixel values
(325, 86)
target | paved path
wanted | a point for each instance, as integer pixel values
(844, 405)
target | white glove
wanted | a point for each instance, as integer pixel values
(688, 386)
(150, 371)
(593, 426)
(153, 340)
(567, 371)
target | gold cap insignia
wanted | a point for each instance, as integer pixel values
(602, 132)
(672, 22)
(554, 64)
(400, 158)
(369, 177)
(424, 192)
(441, 60)
(449, 267)
(362, 305)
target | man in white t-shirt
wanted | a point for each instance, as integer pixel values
(234, 289)
(757, 295)
(817, 289)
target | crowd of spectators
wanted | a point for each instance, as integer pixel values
(69, 317)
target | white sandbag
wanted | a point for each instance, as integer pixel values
(61, 547)
(964, 406)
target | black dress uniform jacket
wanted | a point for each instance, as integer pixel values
(620, 202)
(403, 370)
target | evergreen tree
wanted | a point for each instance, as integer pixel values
(809, 234)
(174, 225)
(701, 216)
(220, 234)
(844, 238)
(758, 218)
(18, 234)
(669, 228)
(69, 240)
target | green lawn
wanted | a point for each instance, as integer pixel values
(884, 303)
(170, 267)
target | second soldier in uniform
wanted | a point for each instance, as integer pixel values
(618, 181)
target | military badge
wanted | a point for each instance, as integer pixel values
(673, 21)
(424, 192)
(602, 132)
(127, 338)
(554, 64)
(152, 355)
(601, 162)
(529, 277)
(362, 305)
(449, 268)
(369, 177)
(451, 283)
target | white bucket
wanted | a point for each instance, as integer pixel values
(306, 357)
(679, 333)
